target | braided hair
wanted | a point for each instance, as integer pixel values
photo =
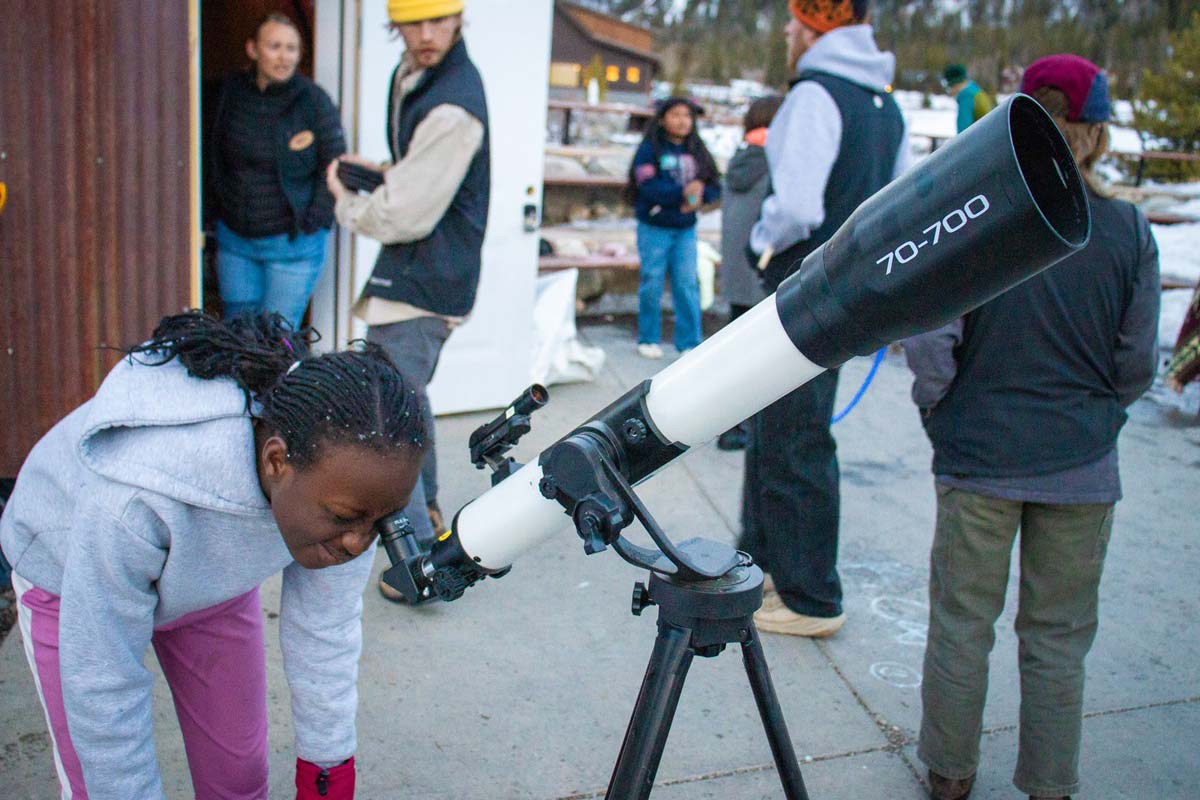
(354, 396)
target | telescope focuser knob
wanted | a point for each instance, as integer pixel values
(449, 584)
(641, 599)
(634, 430)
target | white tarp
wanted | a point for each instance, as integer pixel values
(558, 355)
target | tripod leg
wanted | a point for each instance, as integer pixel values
(772, 717)
(646, 736)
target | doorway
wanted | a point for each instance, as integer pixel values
(225, 26)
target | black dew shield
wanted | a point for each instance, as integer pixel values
(995, 205)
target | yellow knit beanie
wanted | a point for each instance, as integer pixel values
(402, 11)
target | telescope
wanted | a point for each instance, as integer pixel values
(994, 206)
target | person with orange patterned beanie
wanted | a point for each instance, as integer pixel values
(837, 139)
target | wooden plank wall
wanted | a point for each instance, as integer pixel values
(96, 239)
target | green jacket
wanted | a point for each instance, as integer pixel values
(973, 103)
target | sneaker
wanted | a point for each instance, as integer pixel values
(649, 350)
(781, 619)
(950, 788)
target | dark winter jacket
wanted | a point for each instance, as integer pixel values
(661, 171)
(1044, 372)
(266, 157)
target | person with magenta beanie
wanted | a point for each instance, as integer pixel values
(1025, 455)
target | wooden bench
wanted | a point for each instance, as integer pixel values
(559, 263)
(1154, 155)
(589, 181)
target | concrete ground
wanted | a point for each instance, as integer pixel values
(522, 688)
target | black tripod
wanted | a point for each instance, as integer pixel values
(698, 618)
(706, 591)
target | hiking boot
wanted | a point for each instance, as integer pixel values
(649, 350)
(950, 788)
(781, 619)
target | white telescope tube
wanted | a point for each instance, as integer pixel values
(742, 369)
(750, 364)
(999, 203)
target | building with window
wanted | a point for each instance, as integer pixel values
(587, 44)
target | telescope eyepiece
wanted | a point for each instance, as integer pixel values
(531, 400)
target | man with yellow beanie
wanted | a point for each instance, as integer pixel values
(430, 211)
(838, 138)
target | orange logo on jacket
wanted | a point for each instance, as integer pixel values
(301, 140)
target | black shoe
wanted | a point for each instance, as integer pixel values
(732, 439)
(950, 788)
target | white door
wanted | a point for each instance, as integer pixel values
(487, 362)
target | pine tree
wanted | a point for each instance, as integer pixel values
(1168, 108)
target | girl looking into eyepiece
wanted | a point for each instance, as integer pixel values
(212, 457)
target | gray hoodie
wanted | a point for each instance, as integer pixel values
(144, 505)
(806, 134)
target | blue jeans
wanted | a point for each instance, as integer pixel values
(270, 273)
(663, 252)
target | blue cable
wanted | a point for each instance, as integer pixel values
(862, 389)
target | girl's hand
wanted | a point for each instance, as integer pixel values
(1174, 385)
(693, 196)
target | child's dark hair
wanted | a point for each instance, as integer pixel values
(706, 166)
(762, 111)
(353, 396)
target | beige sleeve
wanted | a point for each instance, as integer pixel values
(418, 189)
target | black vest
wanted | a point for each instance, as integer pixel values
(872, 129)
(440, 273)
(1034, 393)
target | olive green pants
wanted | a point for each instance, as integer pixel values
(1061, 557)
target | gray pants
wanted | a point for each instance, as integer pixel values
(1062, 556)
(415, 345)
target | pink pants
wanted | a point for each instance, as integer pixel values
(214, 663)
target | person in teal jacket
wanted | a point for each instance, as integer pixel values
(973, 102)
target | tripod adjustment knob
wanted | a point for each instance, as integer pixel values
(641, 599)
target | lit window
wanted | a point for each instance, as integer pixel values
(566, 75)
(633, 75)
(612, 74)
